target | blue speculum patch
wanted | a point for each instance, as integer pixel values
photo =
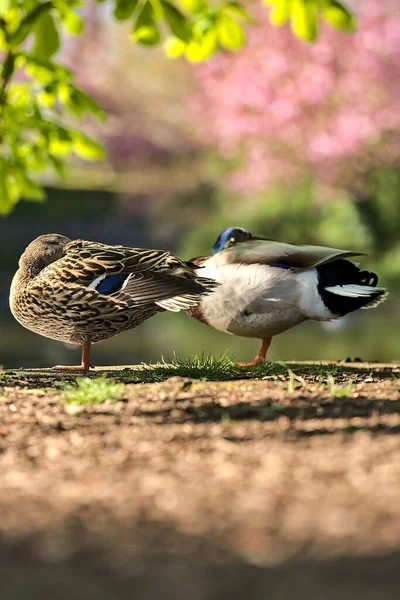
(112, 283)
(281, 266)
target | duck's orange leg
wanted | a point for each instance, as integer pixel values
(85, 364)
(261, 354)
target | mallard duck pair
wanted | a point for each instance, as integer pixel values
(83, 292)
(269, 287)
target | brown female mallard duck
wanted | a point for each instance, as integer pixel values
(84, 292)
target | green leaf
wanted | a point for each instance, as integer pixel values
(202, 47)
(124, 9)
(60, 142)
(338, 15)
(194, 6)
(10, 186)
(90, 105)
(236, 9)
(204, 25)
(31, 190)
(3, 40)
(47, 96)
(73, 23)
(47, 40)
(48, 65)
(38, 73)
(25, 26)
(13, 18)
(37, 160)
(79, 102)
(4, 6)
(174, 47)
(304, 19)
(72, 101)
(64, 90)
(19, 96)
(230, 34)
(178, 23)
(145, 30)
(86, 147)
(280, 13)
(5, 201)
(58, 166)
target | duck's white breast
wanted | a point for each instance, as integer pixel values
(253, 300)
(258, 300)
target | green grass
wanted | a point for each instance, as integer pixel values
(198, 366)
(292, 386)
(92, 391)
(5, 379)
(203, 367)
(337, 390)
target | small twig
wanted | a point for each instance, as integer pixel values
(6, 75)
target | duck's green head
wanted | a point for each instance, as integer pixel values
(229, 237)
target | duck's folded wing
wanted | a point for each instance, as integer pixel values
(168, 291)
(132, 276)
(85, 261)
(278, 253)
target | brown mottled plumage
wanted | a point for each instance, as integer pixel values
(59, 290)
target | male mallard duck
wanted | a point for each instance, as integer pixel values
(83, 292)
(269, 287)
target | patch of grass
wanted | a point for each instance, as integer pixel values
(199, 366)
(322, 370)
(292, 385)
(92, 391)
(337, 390)
(5, 379)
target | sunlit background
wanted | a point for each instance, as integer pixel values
(296, 142)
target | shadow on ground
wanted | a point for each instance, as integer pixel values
(91, 575)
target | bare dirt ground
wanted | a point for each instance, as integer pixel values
(275, 487)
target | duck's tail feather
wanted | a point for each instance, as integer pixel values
(363, 296)
(344, 288)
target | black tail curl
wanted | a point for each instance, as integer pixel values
(368, 278)
(345, 273)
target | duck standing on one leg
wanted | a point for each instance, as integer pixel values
(269, 287)
(83, 292)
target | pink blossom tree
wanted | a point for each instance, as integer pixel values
(286, 109)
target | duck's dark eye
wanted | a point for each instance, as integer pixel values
(247, 313)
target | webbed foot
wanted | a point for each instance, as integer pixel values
(85, 364)
(260, 358)
(73, 368)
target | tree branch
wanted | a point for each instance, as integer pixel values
(6, 75)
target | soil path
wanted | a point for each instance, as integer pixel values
(280, 487)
